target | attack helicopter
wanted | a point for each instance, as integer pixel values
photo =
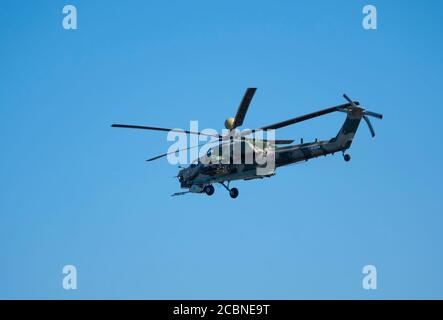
(237, 156)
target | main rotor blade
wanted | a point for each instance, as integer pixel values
(127, 126)
(242, 138)
(281, 141)
(368, 122)
(278, 141)
(307, 116)
(179, 150)
(243, 107)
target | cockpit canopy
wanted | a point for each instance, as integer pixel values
(229, 151)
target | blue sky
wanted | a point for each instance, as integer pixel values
(75, 191)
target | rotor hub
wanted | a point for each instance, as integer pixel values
(229, 123)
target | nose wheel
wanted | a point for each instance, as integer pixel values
(233, 193)
(347, 157)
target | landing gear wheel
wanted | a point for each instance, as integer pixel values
(209, 190)
(347, 157)
(233, 193)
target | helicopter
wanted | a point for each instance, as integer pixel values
(237, 156)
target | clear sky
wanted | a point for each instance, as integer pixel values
(75, 191)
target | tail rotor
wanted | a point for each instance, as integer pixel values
(365, 114)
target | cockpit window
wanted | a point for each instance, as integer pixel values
(209, 153)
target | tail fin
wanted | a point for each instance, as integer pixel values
(349, 128)
(355, 114)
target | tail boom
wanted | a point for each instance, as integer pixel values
(340, 143)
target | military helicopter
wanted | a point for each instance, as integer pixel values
(220, 165)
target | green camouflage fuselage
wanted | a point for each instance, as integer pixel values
(198, 175)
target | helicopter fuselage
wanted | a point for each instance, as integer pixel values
(198, 175)
(203, 173)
